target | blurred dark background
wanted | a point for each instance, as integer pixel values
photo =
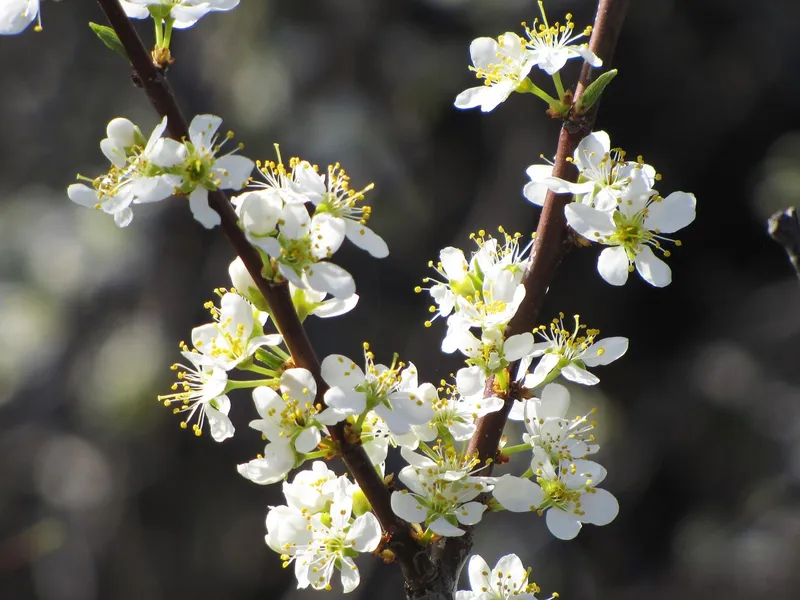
(102, 495)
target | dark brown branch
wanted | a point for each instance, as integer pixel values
(784, 228)
(155, 84)
(552, 237)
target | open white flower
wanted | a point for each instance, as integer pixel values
(185, 12)
(235, 334)
(390, 391)
(292, 414)
(454, 413)
(569, 353)
(203, 171)
(16, 15)
(503, 64)
(551, 46)
(441, 493)
(200, 391)
(139, 171)
(484, 292)
(333, 196)
(312, 490)
(507, 581)
(324, 542)
(548, 429)
(566, 491)
(300, 245)
(632, 231)
(492, 352)
(605, 178)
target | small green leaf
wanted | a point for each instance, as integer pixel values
(109, 37)
(594, 91)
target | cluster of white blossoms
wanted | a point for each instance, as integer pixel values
(297, 216)
(17, 15)
(144, 171)
(560, 481)
(616, 205)
(323, 526)
(296, 245)
(505, 63)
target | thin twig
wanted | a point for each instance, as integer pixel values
(156, 86)
(784, 228)
(552, 240)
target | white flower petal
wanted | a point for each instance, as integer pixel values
(445, 528)
(366, 239)
(517, 494)
(612, 264)
(407, 507)
(332, 279)
(574, 373)
(16, 15)
(554, 403)
(652, 269)
(202, 130)
(335, 307)
(600, 507)
(672, 213)
(202, 212)
(518, 346)
(589, 222)
(605, 351)
(563, 525)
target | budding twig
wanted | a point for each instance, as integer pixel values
(155, 84)
(552, 240)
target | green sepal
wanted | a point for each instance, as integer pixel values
(592, 93)
(109, 37)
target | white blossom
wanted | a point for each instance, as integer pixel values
(203, 171)
(185, 12)
(441, 492)
(484, 292)
(306, 302)
(632, 231)
(332, 195)
(139, 171)
(550, 46)
(321, 543)
(292, 414)
(503, 64)
(236, 333)
(312, 490)
(454, 413)
(200, 392)
(507, 581)
(548, 429)
(390, 391)
(605, 178)
(16, 15)
(569, 353)
(567, 492)
(300, 245)
(492, 352)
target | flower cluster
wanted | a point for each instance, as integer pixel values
(297, 216)
(322, 528)
(442, 490)
(505, 63)
(616, 205)
(565, 486)
(144, 171)
(296, 245)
